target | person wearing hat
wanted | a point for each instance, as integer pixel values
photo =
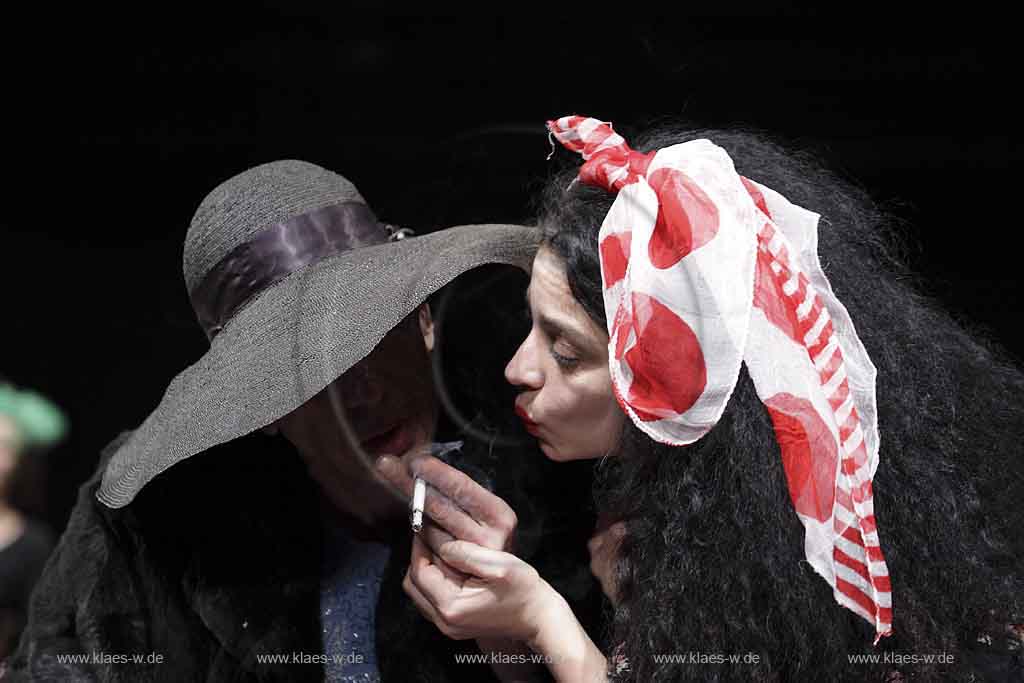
(28, 422)
(197, 551)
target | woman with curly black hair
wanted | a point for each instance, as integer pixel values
(673, 291)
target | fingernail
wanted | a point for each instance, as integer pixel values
(385, 463)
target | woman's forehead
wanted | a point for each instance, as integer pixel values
(548, 275)
(549, 293)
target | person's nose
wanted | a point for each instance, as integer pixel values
(360, 388)
(524, 369)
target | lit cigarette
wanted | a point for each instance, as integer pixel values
(419, 497)
(419, 491)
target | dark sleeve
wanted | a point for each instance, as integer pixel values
(71, 604)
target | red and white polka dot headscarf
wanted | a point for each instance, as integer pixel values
(703, 269)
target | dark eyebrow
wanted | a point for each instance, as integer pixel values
(556, 329)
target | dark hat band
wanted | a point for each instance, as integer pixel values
(276, 252)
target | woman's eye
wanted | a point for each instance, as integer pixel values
(564, 361)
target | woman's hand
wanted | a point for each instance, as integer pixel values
(461, 578)
(458, 507)
(502, 597)
(491, 594)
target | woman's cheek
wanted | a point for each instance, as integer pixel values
(557, 404)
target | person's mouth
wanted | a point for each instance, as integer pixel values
(531, 426)
(395, 441)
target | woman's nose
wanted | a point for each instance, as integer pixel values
(523, 370)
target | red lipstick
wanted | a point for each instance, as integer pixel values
(531, 426)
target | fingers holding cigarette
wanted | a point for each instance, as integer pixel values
(419, 491)
(430, 504)
(451, 499)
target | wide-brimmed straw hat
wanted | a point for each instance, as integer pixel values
(294, 280)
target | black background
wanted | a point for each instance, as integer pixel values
(118, 126)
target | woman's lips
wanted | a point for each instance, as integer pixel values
(530, 425)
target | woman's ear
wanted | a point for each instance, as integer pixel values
(426, 321)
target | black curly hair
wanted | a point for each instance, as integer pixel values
(713, 560)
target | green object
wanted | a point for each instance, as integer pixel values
(38, 421)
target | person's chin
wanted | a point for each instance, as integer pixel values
(558, 454)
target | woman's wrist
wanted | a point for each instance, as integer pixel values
(568, 651)
(550, 613)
